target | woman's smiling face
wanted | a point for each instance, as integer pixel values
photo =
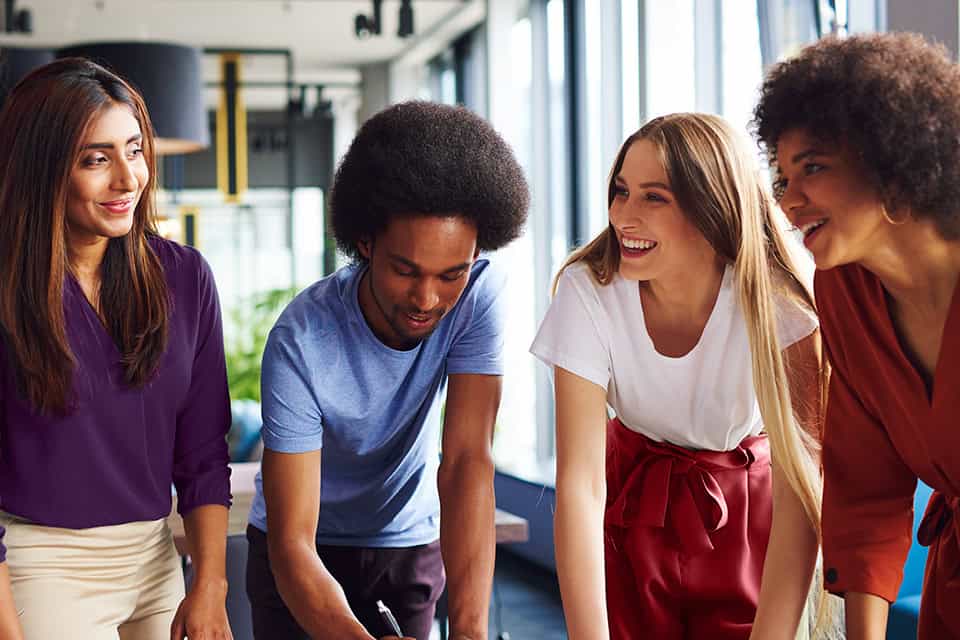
(655, 236)
(824, 190)
(108, 178)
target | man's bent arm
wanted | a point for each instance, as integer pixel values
(467, 534)
(291, 489)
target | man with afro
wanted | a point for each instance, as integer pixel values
(353, 380)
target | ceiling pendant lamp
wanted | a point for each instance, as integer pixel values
(16, 62)
(169, 79)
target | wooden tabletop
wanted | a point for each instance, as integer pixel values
(510, 527)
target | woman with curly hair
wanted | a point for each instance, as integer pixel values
(864, 135)
(112, 375)
(690, 317)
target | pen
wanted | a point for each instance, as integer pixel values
(387, 616)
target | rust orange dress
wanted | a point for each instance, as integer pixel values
(883, 431)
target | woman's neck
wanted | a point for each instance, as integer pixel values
(85, 258)
(916, 265)
(689, 292)
(676, 309)
(86, 255)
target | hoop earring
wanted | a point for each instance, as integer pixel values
(886, 216)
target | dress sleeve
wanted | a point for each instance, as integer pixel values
(201, 471)
(571, 335)
(867, 499)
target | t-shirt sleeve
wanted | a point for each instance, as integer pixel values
(570, 336)
(867, 498)
(292, 420)
(794, 321)
(478, 348)
(200, 461)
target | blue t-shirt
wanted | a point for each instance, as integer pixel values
(329, 383)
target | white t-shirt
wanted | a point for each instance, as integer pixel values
(702, 400)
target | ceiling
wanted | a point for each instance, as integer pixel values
(319, 33)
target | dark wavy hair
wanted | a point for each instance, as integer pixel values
(423, 158)
(42, 126)
(894, 99)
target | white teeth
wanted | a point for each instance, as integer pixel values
(810, 226)
(638, 244)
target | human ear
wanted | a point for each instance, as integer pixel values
(365, 247)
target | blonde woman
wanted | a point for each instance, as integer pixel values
(689, 317)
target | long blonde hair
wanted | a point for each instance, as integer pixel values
(718, 187)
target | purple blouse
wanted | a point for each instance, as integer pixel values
(113, 458)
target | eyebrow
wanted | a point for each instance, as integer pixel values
(803, 155)
(107, 145)
(647, 185)
(416, 267)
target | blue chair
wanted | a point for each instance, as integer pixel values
(904, 613)
(244, 436)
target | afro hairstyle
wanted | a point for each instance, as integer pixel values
(893, 98)
(426, 159)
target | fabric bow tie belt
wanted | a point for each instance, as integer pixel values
(943, 511)
(676, 486)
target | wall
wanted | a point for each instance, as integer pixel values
(535, 502)
(939, 20)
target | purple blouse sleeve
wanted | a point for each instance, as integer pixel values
(200, 459)
(3, 549)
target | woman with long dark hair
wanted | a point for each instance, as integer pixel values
(112, 374)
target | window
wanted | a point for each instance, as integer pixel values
(633, 109)
(742, 69)
(518, 406)
(529, 94)
(569, 81)
(670, 50)
(785, 26)
(259, 255)
(443, 79)
(559, 191)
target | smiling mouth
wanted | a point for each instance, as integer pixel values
(631, 247)
(418, 320)
(810, 229)
(118, 206)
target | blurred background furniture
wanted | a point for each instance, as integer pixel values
(904, 613)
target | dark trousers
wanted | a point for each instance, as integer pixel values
(409, 580)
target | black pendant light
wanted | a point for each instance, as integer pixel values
(168, 77)
(16, 62)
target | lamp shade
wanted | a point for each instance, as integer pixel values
(168, 77)
(16, 62)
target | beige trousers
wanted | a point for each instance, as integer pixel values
(120, 582)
